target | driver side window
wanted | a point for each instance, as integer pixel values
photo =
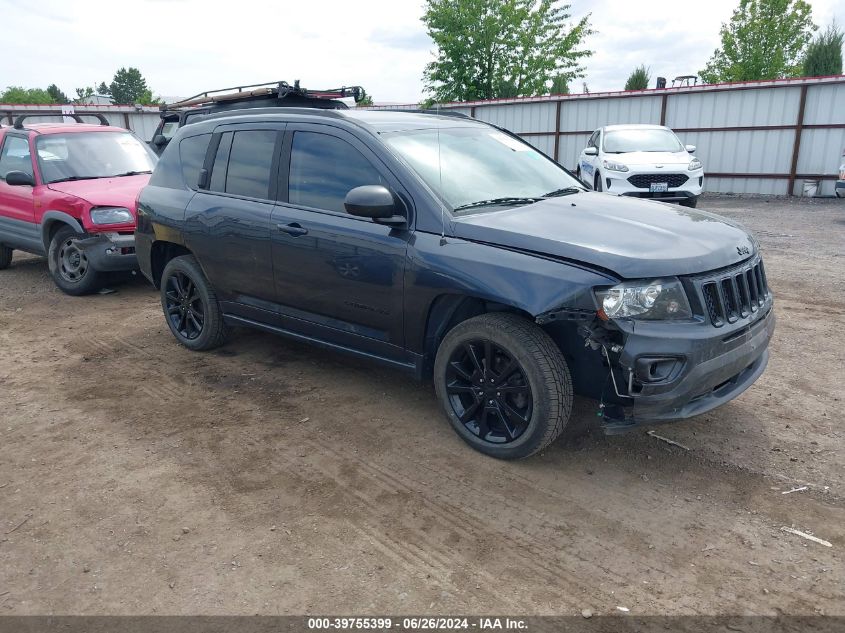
(324, 168)
(15, 156)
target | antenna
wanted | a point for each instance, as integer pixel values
(440, 175)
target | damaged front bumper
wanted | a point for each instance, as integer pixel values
(663, 372)
(110, 252)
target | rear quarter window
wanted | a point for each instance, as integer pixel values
(192, 156)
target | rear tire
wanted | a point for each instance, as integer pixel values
(5, 257)
(597, 182)
(190, 305)
(69, 264)
(503, 384)
(690, 202)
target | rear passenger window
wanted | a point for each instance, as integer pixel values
(250, 163)
(324, 168)
(15, 156)
(192, 154)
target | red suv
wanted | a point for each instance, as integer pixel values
(68, 191)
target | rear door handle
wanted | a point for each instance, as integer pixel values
(292, 229)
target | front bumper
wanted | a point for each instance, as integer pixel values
(840, 189)
(110, 252)
(619, 183)
(712, 366)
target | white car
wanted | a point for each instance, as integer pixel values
(645, 161)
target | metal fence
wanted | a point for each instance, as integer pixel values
(754, 137)
(763, 137)
(142, 120)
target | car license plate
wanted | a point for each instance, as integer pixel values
(659, 187)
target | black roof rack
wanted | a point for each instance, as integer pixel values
(205, 116)
(272, 89)
(76, 117)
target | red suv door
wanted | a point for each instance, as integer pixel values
(18, 228)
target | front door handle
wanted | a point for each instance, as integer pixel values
(292, 229)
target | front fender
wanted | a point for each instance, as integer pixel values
(531, 283)
(50, 218)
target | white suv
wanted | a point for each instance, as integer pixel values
(645, 161)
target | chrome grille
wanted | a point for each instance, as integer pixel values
(734, 293)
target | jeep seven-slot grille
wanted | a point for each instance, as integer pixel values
(735, 293)
(644, 181)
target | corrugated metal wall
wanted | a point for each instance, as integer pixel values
(142, 122)
(744, 133)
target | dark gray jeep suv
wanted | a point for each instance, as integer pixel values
(451, 249)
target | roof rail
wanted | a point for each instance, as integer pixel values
(76, 117)
(434, 111)
(279, 89)
(205, 116)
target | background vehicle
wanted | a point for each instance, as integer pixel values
(644, 161)
(68, 191)
(449, 248)
(840, 184)
(274, 94)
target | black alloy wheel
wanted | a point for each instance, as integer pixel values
(183, 306)
(489, 392)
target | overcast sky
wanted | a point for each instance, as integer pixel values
(186, 46)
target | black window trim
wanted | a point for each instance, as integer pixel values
(378, 164)
(195, 186)
(277, 127)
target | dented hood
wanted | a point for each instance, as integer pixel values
(105, 192)
(633, 238)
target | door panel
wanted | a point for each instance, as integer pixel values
(17, 204)
(331, 268)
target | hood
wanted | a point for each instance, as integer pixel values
(633, 238)
(105, 192)
(650, 158)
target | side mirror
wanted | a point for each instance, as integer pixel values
(375, 202)
(689, 148)
(159, 140)
(19, 178)
(591, 151)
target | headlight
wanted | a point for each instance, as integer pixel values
(609, 164)
(111, 215)
(694, 164)
(657, 299)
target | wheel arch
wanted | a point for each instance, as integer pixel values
(161, 252)
(450, 309)
(51, 222)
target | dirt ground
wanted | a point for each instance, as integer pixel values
(269, 477)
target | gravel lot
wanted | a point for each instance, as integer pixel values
(269, 477)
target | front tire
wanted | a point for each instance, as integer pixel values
(190, 305)
(69, 265)
(503, 384)
(691, 202)
(5, 257)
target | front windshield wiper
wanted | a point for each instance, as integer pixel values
(563, 192)
(130, 173)
(69, 178)
(497, 201)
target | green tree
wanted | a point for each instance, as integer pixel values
(83, 93)
(56, 94)
(496, 48)
(365, 100)
(19, 94)
(103, 89)
(639, 78)
(560, 86)
(765, 39)
(129, 86)
(824, 54)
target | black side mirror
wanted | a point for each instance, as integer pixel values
(159, 140)
(20, 178)
(375, 202)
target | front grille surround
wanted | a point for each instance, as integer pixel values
(644, 181)
(734, 293)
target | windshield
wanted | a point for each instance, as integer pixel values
(84, 155)
(641, 140)
(469, 165)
